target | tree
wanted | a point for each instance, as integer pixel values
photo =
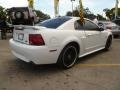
(87, 13)
(3, 13)
(100, 17)
(110, 13)
(69, 13)
(41, 15)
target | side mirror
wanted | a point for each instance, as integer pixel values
(101, 29)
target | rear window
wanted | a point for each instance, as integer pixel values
(54, 23)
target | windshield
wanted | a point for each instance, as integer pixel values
(54, 23)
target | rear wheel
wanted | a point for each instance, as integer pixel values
(108, 43)
(68, 57)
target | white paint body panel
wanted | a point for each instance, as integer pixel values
(88, 41)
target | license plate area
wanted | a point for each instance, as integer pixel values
(20, 36)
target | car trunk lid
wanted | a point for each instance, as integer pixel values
(21, 32)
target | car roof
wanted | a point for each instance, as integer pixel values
(18, 8)
(69, 24)
(105, 21)
(73, 18)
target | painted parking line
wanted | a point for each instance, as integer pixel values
(98, 65)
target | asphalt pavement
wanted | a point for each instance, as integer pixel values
(99, 71)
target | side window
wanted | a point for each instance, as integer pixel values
(90, 26)
(78, 26)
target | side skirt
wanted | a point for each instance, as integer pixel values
(91, 52)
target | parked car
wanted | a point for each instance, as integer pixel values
(60, 40)
(110, 25)
(23, 15)
(117, 21)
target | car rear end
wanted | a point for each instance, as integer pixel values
(22, 15)
(28, 44)
(115, 30)
(41, 43)
(113, 27)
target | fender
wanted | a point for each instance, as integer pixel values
(69, 40)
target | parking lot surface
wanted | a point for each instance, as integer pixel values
(99, 71)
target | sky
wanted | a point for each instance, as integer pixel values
(47, 6)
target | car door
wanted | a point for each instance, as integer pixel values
(81, 35)
(93, 40)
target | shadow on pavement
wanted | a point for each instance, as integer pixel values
(90, 56)
(23, 67)
(30, 67)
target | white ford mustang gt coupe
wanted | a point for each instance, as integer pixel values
(60, 40)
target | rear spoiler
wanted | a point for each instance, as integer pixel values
(22, 27)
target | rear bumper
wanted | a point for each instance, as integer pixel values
(116, 32)
(35, 54)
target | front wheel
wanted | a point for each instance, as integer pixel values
(68, 57)
(108, 43)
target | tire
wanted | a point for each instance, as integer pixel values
(19, 15)
(108, 43)
(68, 57)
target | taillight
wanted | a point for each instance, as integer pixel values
(109, 27)
(36, 39)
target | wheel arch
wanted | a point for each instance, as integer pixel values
(109, 35)
(73, 39)
(74, 43)
(71, 42)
